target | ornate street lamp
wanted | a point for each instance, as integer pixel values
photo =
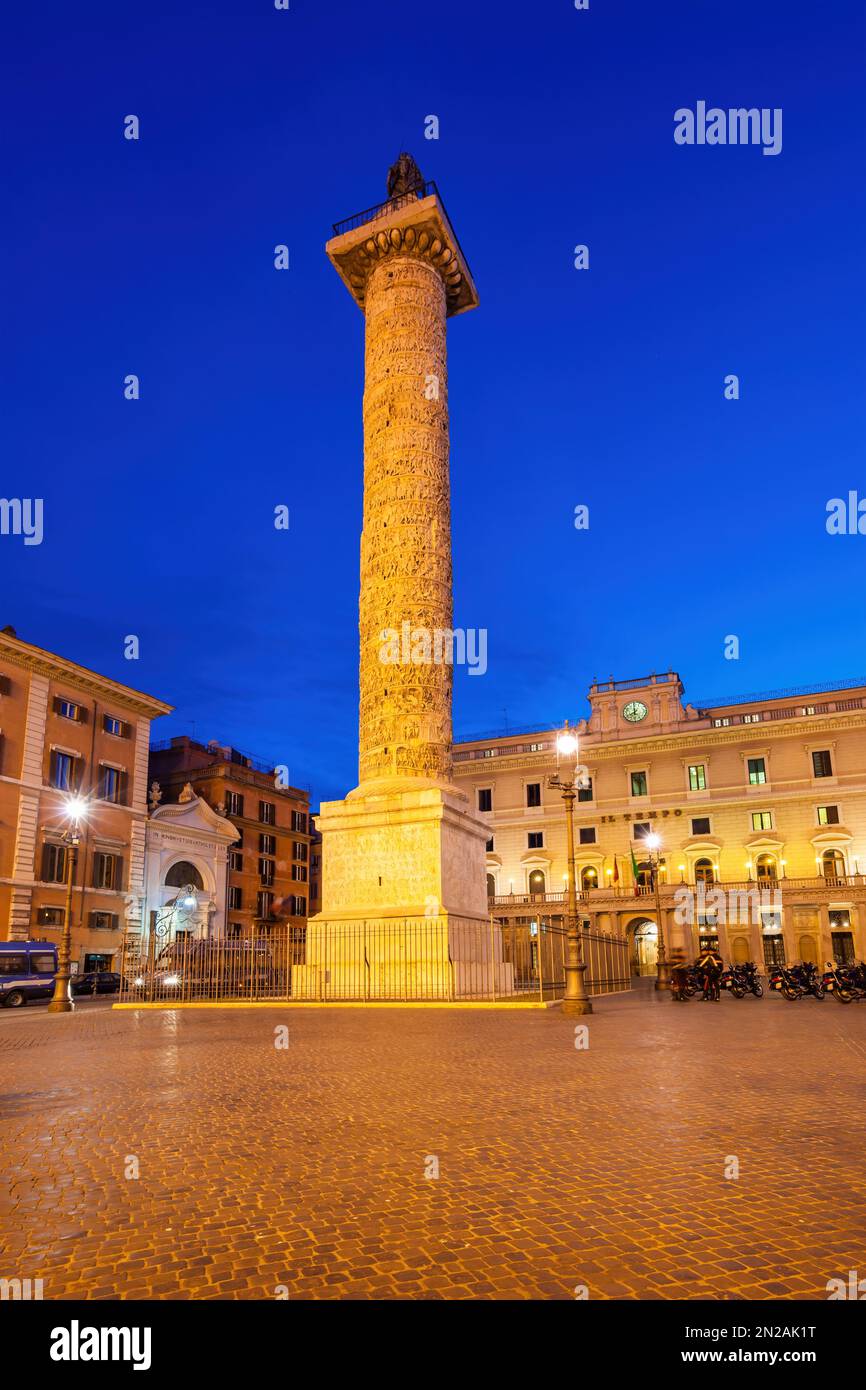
(61, 1000)
(663, 971)
(566, 780)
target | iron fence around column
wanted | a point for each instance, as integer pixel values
(400, 959)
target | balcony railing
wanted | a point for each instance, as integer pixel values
(587, 896)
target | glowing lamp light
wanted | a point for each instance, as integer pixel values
(190, 902)
(76, 807)
(566, 744)
(652, 841)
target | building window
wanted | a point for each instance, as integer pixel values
(638, 784)
(641, 829)
(53, 863)
(808, 709)
(697, 777)
(700, 825)
(267, 813)
(267, 844)
(491, 886)
(67, 709)
(489, 752)
(300, 850)
(704, 871)
(299, 822)
(536, 881)
(236, 898)
(50, 916)
(300, 906)
(721, 723)
(234, 804)
(535, 839)
(821, 763)
(485, 798)
(112, 725)
(533, 793)
(584, 793)
(766, 868)
(490, 845)
(236, 860)
(65, 771)
(588, 878)
(828, 815)
(757, 772)
(112, 784)
(586, 834)
(264, 904)
(266, 871)
(102, 921)
(107, 870)
(535, 748)
(299, 873)
(762, 820)
(833, 864)
(751, 718)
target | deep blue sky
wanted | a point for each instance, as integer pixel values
(605, 388)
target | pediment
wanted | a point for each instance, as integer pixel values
(194, 815)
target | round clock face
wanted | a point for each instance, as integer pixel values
(635, 711)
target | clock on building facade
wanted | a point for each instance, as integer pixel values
(634, 711)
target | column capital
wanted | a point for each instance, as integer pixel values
(406, 226)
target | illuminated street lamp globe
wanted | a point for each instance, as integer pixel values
(566, 744)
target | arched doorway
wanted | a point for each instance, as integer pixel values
(588, 878)
(182, 874)
(704, 871)
(765, 868)
(644, 955)
(808, 950)
(536, 881)
(833, 864)
(491, 886)
(740, 950)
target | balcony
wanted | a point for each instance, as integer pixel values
(608, 897)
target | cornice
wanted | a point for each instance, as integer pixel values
(53, 667)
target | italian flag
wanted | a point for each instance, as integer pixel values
(634, 870)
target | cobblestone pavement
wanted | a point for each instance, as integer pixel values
(305, 1167)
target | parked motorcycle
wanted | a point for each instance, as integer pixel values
(786, 982)
(846, 982)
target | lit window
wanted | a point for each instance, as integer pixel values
(638, 784)
(762, 820)
(697, 777)
(757, 772)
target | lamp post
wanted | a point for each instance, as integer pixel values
(61, 1000)
(663, 970)
(576, 1000)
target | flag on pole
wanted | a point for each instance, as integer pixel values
(635, 871)
(615, 870)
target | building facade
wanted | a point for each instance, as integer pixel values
(66, 731)
(759, 804)
(268, 866)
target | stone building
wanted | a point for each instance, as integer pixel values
(268, 870)
(64, 731)
(759, 803)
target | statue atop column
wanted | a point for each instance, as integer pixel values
(404, 177)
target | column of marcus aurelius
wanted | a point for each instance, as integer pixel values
(404, 900)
